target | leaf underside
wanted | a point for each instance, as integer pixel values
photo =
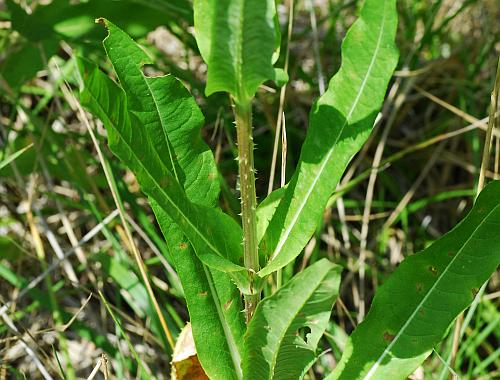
(237, 40)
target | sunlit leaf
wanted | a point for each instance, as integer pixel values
(412, 311)
(237, 39)
(172, 120)
(283, 336)
(340, 122)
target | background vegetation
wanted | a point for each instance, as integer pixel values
(70, 290)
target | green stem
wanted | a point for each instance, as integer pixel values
(243, 115)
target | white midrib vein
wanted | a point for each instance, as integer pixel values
(163, 128)
(387, 350)
(274, 362)
(239, 51)
(297, 214)
(235, 355)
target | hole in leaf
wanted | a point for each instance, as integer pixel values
(304, 332)
(152, 71)
(433, 270)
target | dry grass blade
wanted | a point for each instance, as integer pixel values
(29, 351)
(277, 132)
(36, 281)
(491, 129)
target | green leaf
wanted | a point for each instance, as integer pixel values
(283, 335)
(214, 306)
(132, 289)
(75, 20)
(169, 117)
(7, 160)
(280, 77)
(266, 210)
(236, 39)
(340, 122)
(139, 137)
(412, 311)
(25, 61)
(172, 121)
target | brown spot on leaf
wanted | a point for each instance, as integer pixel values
(474, 292)
(388, 337)
(228, 304)
(203, 294)
(183, 245)
(451, 253)
(419, 287)
(164, 182)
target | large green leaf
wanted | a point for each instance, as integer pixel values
(140, 139)
(340, 122)
(236, 39)
(172, 121)
(214, 305)
(169, 115)
(283, 335)
(412, 311)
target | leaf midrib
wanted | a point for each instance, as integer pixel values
(386, 351)
(157, 184)
(296, 216)
(239, 51)
(231, 342)
(282, 336)
(156, 108)
(163, 127)
(235, 356)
